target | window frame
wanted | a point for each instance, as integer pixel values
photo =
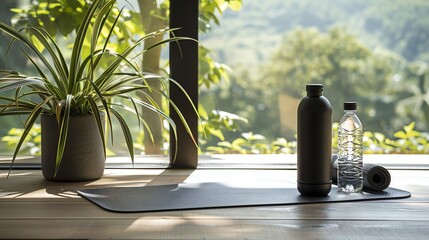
(184, 69)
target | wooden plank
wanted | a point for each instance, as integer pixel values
(212, 229)
(83, 209)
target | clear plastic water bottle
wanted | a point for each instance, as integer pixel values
(350, 150)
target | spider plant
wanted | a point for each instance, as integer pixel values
(83, 84)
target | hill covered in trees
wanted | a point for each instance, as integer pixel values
(249, 36)
(374, 52)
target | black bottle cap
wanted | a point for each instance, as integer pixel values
(350, 106)
(314, 87)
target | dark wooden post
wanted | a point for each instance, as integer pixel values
(184, 69)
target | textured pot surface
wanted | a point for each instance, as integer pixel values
(83, 158)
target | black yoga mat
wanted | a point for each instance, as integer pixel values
(214, 195)
(375, 177)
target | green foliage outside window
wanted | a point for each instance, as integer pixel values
(390, 91)
(31, 146)
(405, 141)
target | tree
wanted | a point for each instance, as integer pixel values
(402, 25)
(373, 22)
(413, 104)
(153, 18)
(348, 70)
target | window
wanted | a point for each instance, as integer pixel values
(374, 53)
(254, 65)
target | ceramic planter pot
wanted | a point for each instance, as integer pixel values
(83, 158)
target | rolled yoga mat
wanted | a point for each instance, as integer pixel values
(375, 177)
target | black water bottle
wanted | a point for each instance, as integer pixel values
(314, 143)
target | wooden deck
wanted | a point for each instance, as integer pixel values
(33, 208)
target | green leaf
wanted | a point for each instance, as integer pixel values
(225, 144)
(17, 10)
(19, 83)
(238, 142)
(40, 47)
(202, 112)
(64, 24)
(235, 4)
(400, 134)
(64, 127)
(217, 133)
(408, 128)
(413, 133)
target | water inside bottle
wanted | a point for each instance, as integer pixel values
(350, 177)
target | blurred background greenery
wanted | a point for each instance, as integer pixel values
(373, 52)
(257, 56)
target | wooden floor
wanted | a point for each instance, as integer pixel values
(33, 208)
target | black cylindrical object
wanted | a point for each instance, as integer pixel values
(314, 143)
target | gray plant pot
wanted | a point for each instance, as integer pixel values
(83, 158)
